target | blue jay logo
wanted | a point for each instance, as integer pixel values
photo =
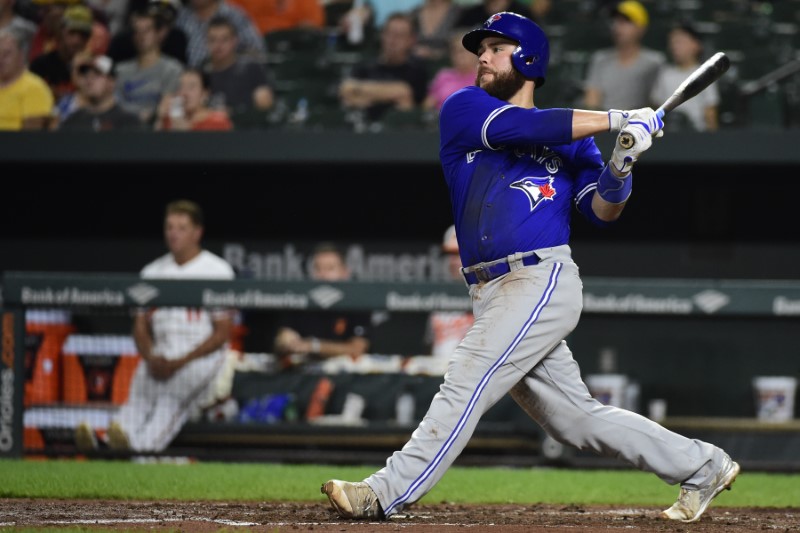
(536, 189)
(493, 18)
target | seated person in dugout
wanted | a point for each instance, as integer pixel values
(311, 336)
(445, 329)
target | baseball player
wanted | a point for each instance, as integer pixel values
(311, 336)
(182, 349)
(445, 329)
(514, 173)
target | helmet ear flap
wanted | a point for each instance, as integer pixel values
(525, 62)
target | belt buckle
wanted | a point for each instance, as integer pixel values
(481, 273)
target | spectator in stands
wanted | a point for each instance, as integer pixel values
(194, 19)
(540, 9)
(74, 100)
(55, 66)
(111, 13)
(622, 77)
(174, 43)
(351, 20)
(144, 81)
(188, 109)
(10, 19)
(26, 102)
(98, 108)
(445, 329)
(381, 10)
(397, 79)
(51, 20)
(182, 350)
(477, 14)
(685, 46)
(461, 72)
(435, 20)
(276, 15)
(238, 84)
(309, 336)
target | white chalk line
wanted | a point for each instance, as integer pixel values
(103, 521)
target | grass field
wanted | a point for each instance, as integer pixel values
(83, 479)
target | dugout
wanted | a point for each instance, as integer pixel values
(655, 326)
(711, 220)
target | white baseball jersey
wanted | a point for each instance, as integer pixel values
(177, 330)
(446, 329)
(157, 409)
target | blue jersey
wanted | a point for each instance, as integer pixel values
(513, 174)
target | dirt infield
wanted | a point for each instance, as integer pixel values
(273, 517)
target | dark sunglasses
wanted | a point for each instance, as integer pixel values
(83, 70)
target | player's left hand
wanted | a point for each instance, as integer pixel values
(622, 159)
(619, 119)
(649, 119)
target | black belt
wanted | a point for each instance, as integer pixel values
(494, 269)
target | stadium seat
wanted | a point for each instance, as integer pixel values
(767, 109)
(295, 40)
(657, 31)
(328, 118)
(587, 34)
(756, 62)
(564, 87)
(415, 119)
(251, 119)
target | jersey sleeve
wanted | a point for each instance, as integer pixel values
(472, 120)
(589, 165)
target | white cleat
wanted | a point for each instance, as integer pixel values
(692, 503)
(117, 438)
(352, 500)
(85, 438)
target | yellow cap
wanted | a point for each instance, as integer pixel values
(78, 18)
(633, 11)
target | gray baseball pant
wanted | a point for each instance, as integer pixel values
(517, 345)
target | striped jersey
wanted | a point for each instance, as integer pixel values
(177, 330)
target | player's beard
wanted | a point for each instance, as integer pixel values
(504, 85)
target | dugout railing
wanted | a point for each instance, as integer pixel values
(99, 308)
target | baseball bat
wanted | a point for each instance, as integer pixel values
(706, 74)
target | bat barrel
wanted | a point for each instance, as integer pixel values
(705, 75)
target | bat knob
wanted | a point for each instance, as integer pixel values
(626, 140)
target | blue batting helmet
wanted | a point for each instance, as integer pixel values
(532, 54)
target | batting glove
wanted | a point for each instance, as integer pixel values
(622, 159)
(649, 119)
(619, 119)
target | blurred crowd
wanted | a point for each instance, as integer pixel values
(363, 65)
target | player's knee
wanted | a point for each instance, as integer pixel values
(576, 427)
